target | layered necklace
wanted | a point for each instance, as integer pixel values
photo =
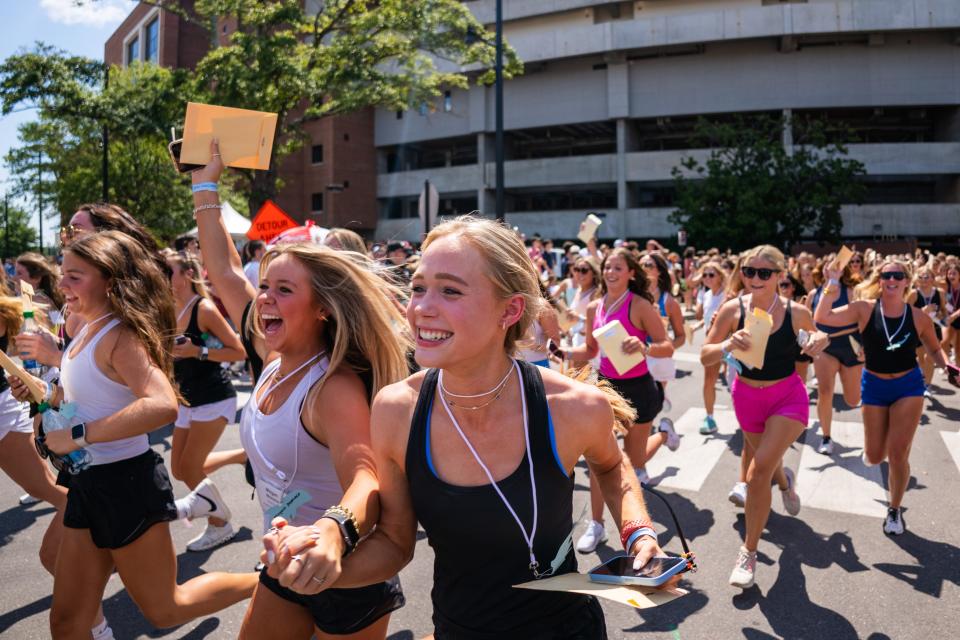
(497, 389)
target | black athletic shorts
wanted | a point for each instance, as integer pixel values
(344, 611)
(643, 392)
(119, 501)
(582, 623)
(841, 349)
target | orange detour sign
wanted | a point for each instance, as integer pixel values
(269, 222)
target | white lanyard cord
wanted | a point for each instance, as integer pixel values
(533, 483)
(253, 426)
(613, 307)
(83, 331)
(185, 307)
(883, 321)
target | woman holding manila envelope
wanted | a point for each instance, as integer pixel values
(626, 329)
(759, 329)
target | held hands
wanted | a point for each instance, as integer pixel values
(305, 560)
(632, 345)
(644, 549)
(213, 170)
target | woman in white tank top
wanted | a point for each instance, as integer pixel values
(117, 374)
(328, 322)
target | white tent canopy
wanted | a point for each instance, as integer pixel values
(236, 224)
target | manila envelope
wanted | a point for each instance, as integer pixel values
(840, 262)
(245, 137)
(633, 596)
(566, 320)
(758, 325)
(13, 369)
(611, 337)
(589, 228)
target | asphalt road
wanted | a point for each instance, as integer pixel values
(829, 573)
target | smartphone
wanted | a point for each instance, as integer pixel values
(619, 570)
(181, 339)
(174, 149)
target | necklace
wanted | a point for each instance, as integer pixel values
(612, 307)
(891, 346)
(770, 309)
(496, 387)
(279, 379)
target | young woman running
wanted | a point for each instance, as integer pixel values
(658, 273)
(480, 450)
(627, 299)
(306, 431)
(42, 275)
(842, 356)
(586, 276)
(892, 382)
(791, 289)
(709, 299)
(209, 400)
(770, 402)
(951, 339)
(117, 371)
(929, 299)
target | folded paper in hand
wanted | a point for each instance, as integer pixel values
(610, 337)
(630, 595)
(245, 137)
(590, 225)
(13, 369)
(758, 325)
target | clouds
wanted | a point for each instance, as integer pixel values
(92, 13)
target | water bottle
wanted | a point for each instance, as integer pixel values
(53, 420)
(211, 341)
(30, 326)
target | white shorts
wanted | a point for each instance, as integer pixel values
(206, 413)
(14, 415)
(662, 369)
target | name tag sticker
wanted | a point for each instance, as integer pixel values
(289, 505)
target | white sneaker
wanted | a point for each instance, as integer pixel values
(738, 495)
(791, 501)
(826, 446)
(673, 438)
(102, 631)
(203, 502)
(742, 575)
(594, 535)
(26, 500)
(212, 537)
(893, 524)
(863, 457)
(643, 476)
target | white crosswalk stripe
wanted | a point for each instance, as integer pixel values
(840, 482)
(952, 440)
(689, 466)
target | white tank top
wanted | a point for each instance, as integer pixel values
(282, 442)
(97, 396)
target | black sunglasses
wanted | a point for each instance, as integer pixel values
(893, 275)
(40, 443)
(709, 275)
(763, 274)
(786, 284)
(582, 270)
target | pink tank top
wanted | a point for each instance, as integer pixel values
(622, 313)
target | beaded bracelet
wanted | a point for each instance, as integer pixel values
(204, 207)
(631, 526)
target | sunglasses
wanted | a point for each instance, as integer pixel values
(40, 443)
(70, 231)
(786, 285)
(648, 265)
(709, 275)
(856, 262)
(763, 274)
(582, 270)
(893, 275)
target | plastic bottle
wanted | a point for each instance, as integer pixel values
(53, 420)
(30, 326)
(211, 341)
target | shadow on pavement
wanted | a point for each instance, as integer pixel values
(936, 562)
(786, 604)
(11, 618)
(16, 519)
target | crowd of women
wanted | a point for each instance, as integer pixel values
(379, 404)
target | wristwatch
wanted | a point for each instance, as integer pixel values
(79, 434)
(347, 529)
(204, 353)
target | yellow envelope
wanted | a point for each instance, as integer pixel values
(758, 325)
(13, 369)
(843, 257)
(633, 596)
(245, 136)
(611, 337)
(566, 321)
(589, 228)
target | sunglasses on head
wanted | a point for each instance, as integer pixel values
(582, 270)
(763, 274)
(893, 275)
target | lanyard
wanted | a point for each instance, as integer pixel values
(883, 320)
(613, 307)
(527, 537)
(185, 307)
(281, 476)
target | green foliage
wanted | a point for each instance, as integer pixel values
(16, 234)
(752, 190)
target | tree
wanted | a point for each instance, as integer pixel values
(341, 56)
(753, 190)
(16, 234)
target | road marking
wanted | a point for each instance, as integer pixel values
(686, 356)
(688, 467)
(840, 482)
(952, 440)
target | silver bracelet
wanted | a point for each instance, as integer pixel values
(204, 207)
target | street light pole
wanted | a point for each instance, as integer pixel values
(6, 226)
(499, 112)
(40, 198)
(105, 168)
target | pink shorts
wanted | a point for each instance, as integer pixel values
(753, 405)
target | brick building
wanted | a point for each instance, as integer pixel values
(330, 180)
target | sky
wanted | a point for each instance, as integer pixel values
(79, 30)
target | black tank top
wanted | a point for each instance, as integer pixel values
(479, 550)
(4, 385)
(921, 302)
(781, 353)
(880, 358)
(201, 381)
(256, 362)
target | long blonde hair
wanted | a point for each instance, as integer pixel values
(870, 288)
(186, 262)
(363, 328)
(508, 266)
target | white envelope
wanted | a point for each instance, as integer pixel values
(610, 337)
